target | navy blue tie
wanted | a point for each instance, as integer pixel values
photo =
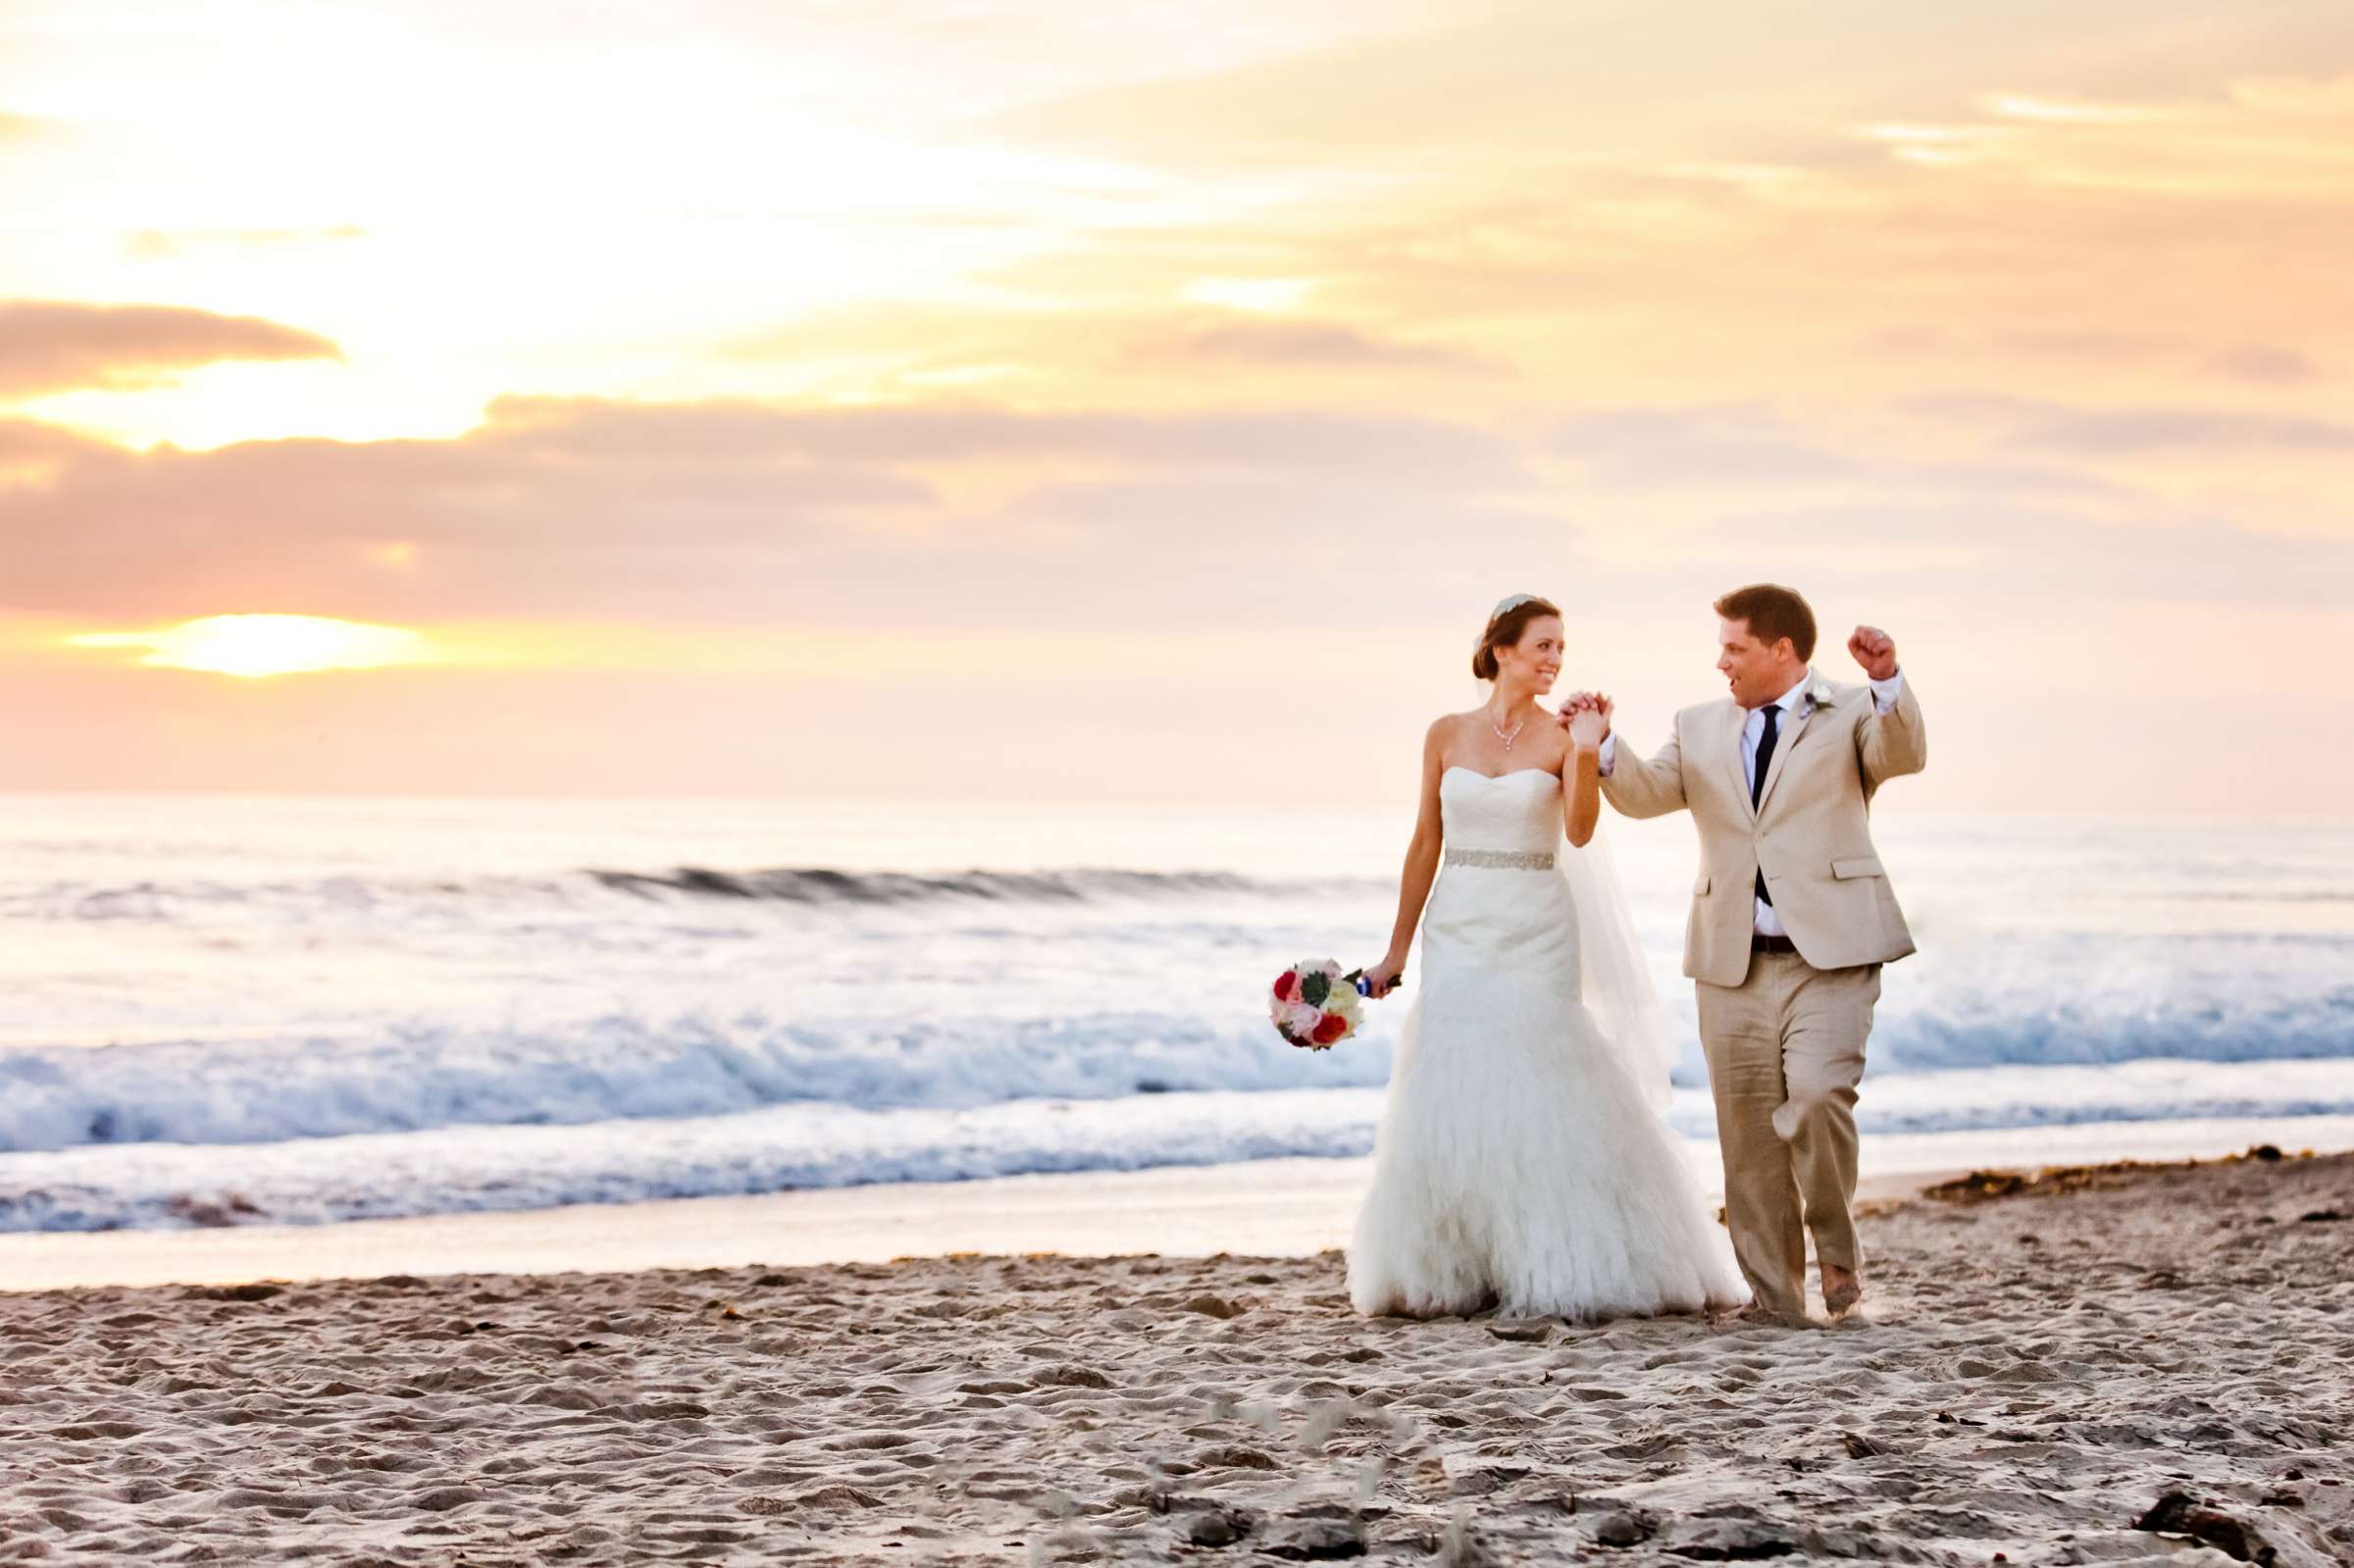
(1757, 780)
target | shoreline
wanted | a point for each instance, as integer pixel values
(1293, 1207)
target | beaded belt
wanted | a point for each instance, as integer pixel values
(1503, 859)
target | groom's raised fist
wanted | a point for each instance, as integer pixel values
(1874, 650)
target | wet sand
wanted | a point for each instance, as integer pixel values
(1269, 1208)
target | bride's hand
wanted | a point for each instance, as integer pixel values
(1382, 976)
(1590, 725)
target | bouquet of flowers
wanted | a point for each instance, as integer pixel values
(1316, 1004)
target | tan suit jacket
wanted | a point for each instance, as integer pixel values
(1811, 832)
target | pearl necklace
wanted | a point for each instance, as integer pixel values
(1513, 735)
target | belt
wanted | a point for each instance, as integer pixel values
(1503, 859)
(1760, 943)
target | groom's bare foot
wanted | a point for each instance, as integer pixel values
(1754, 1316)
(1842, 1289)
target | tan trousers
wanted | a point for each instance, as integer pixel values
(1785, 1051)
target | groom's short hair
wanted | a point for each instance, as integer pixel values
(1773, 613)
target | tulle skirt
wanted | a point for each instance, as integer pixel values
(1519, 1164)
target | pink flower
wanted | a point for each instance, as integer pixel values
(1287, 989)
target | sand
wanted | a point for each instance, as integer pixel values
(2135, 1366)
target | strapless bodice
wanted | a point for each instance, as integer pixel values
(1513, 813)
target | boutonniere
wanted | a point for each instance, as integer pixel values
(1818, 693)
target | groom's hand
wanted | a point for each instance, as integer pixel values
(1586, 717)
(1873, 649)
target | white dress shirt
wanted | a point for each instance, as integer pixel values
(1753, 734)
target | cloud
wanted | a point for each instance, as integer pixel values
(1301, 345)
(582, 508)
(23, 440)
(2144, 352)
(2137, 431)
(2078, 344)
(1303, 441)
(1572, 87)
(2257, 362)
(1615, 213)
(2017, 555)
(1069, 353)
(51, 346)
(160, 244)
(1749, 448)
(2130, 431)
(1008, 523)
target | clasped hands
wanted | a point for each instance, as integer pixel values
(1586, 717)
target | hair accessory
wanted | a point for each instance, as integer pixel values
(1505, 605)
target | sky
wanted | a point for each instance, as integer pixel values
(943, 400)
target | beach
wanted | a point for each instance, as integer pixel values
(470, 1183)
(2111, 1367)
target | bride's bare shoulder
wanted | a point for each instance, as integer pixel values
(1449, 725)
(1439, 738)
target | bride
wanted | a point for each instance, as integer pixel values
(1522, 1162)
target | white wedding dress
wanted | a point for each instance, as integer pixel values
(1522, 1162)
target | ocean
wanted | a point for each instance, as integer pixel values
(225, 1010)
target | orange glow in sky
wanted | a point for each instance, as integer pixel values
(1026, 399)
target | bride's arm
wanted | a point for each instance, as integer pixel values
(1421, 864)
(1581, 780)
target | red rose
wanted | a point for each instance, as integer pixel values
(1287, 990)
(1329, 1028)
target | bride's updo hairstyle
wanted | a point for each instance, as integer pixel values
(1504, 626)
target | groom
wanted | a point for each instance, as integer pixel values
(1791, 919)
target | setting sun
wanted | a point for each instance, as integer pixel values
(252, 647)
